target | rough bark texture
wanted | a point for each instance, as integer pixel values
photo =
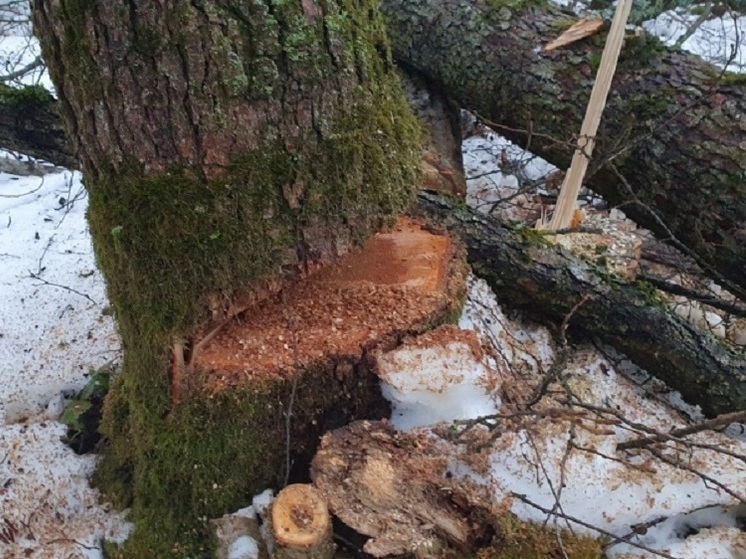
(671, 128)
(225, 146)
(530, 274)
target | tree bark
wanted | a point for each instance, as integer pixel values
(670, 150)
(545, 281)
(227, 146)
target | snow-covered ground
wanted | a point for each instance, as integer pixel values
(720, 40)
(689, 502)
(54, 328)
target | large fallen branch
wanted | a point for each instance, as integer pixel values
(670, 149)
(30, 124)
(542, 279)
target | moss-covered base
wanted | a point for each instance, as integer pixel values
(516, 539)
(211, 454)
(224, 145)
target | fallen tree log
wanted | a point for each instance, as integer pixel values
(670, 149)
(545, 281)
(30, 123)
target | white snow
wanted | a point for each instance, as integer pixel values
(688, 503)
(244, 547)
(53, 319)
(719, 40)
(53, 329)
(431, 385)
(47, 350)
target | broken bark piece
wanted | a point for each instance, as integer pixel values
(395, 487)
(301, 525)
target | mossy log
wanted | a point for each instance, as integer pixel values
(529, 273)
(670, 149)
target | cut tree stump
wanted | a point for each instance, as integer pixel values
(301, 525)
(403, 281)
(300, 361)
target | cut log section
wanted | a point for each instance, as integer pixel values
(396, 488)
(301, 525)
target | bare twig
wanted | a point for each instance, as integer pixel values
(22, 194)
(708, 480)
(560, 361)
(292, 325)
(673, 240)
(614, 537)
(68, 540)
(38, 62)
(709, 425)
(709, 300)
(65, 287)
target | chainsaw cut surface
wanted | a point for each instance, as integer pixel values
(403, 281)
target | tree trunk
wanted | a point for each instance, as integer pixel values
(226, 146)
(545, 281)
(230, 146)
(670, 148)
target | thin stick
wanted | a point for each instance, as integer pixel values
(601, 531)
(563, 211)
(709, 425)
